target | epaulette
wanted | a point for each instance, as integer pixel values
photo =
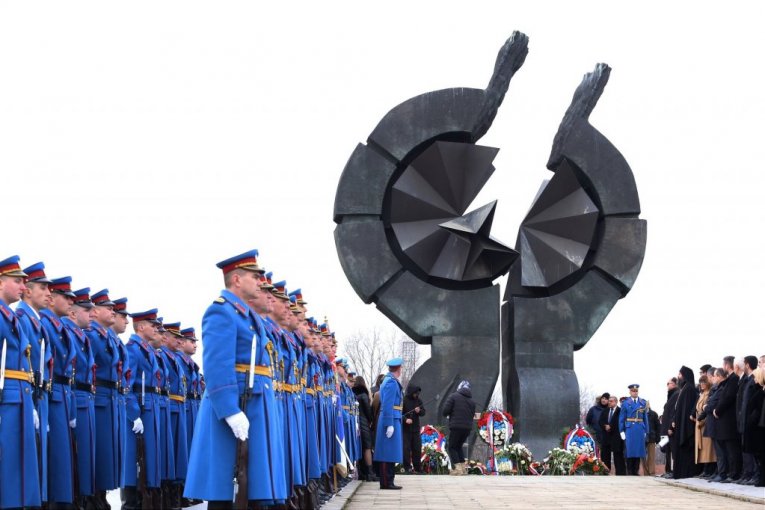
(6, 312)
(220, 300)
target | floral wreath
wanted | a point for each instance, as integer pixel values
(581, 439)
(496, 427)
(434, 459)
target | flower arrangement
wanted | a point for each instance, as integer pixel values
(576, 456)
(581, 439)
(434, 460)
(476, 468)
(558, 462)
(496, 427)
(588, 464)
(515, 459)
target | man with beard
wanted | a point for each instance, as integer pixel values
(683, 426)
(666, 425)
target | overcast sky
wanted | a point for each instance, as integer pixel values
(142, 142)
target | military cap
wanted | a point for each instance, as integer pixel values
(101, 298)
(161, 328)
(247, 260)
(11, 267)
(36, 273)
(174, 328)
(188, 334)
(62, 286)
(120, 306)
(298, 294)
(395, 362)
(265, 281)
(82, 298)
(148, 315)
(280, 290)
(633, 386)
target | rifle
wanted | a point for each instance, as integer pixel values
(242, 447)
(140, 457)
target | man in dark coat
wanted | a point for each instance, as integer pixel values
(459, 407)
(593, 416)
(683, 427)
(413, 409)
(653, 437)
(725, 426)
(746, 389)
(612, 441)
(666, 422)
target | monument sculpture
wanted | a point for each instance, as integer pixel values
(408, 243)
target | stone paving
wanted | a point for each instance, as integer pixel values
(585, 492)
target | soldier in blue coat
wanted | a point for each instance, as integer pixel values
(77, 320)
(166, 440)
(229, 328)
(36, 297)
(389, 445)
(193, 395)
(110, 421)
(19, 475)
(143, 409)
(178, 381)
(126, 379)
(62, 410)
(633, 427)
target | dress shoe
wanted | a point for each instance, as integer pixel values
(751, 481)
(716, 478)
(730, 480)
(392, 487)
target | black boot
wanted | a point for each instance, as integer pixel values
(130, 499)
(371, 477)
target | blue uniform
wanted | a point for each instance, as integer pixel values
(145, 374)
(19, 475)
(62, 409)
(228, 327)
(391, 399)
(633, 421)
(177, 405)
(312, 403)
(85, 432)
(166, 440)
(109, 421)
(125, 378)
(33, 330)
(192, 396)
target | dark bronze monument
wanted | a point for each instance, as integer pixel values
(408, 243)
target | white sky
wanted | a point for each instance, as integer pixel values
(142, 142)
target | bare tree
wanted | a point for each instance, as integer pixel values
(368, 350)
(587, 399)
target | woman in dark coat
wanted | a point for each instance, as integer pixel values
(365, 428)
(459, 407)
(413, 409)
(754, 427)
(684, 426)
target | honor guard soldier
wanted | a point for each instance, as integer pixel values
(19, 470)
(193, 395)
(177, 402)
(389, 446)
(125, 381)
(238, 407)
(85, 392)
(166, 441)
(633, 426)
(36, 298)
(109, 421)
(62, 408)
(143, 451)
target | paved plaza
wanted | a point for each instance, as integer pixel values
(586, 492)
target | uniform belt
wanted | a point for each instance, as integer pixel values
(19, 375)
(310, 391)
(106, 383)
(397, 408)
(320, 388)
(302, 381)
(177, 398)
(348, 408)
(291, 388)
(84, 387)
(635, 419)
(259, 369)
(148, 389)
(62, 379)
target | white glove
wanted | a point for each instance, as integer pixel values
(389, 431)
(73, 423)
(623, 435)
(240, 425)
(138, 426)
(36, 419)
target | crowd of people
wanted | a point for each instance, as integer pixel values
(713, 429)
(272, 422)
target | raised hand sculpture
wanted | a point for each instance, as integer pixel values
(406, 243)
